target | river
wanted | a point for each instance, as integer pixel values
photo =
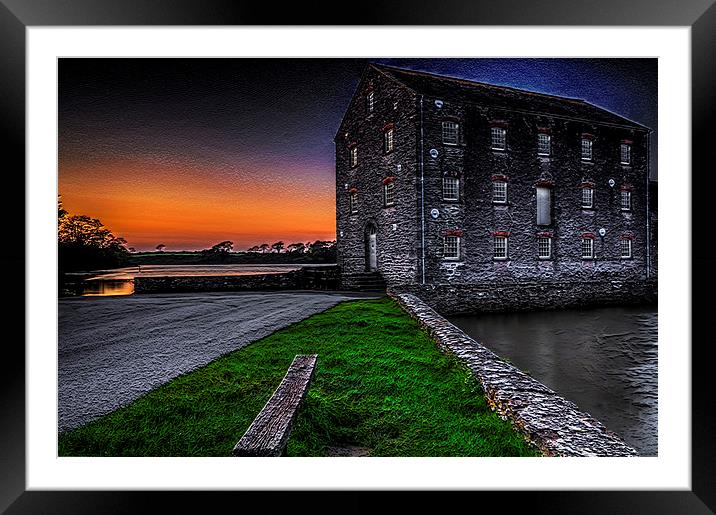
(604, 360)
(120, 281)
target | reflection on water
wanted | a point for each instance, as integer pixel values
(131, 272)
(120, 281)
(100, 287)
(604, 360)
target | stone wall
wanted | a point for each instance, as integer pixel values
(654, 226)
(452, 299)
(278, 281)
(307, 278)
(477, 218)
(397, 228)
(555, 425)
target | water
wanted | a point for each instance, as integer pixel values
(604, 360)
(120, 281)
(100, 287)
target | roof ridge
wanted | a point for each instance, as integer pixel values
(476, 83)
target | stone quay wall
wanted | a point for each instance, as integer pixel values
(555, 425)
(307, 278)
(453, 299)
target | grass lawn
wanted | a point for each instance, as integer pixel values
(380, 384)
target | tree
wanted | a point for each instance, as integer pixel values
(297, 248)
(84, 243)
(317, 246)
(161, 247)
(61, 212)
(224, 246)
(277, 246)
(324, 251)
(264, 247)
(255, 248)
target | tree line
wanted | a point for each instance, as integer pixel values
(317, 246)
(84, 243)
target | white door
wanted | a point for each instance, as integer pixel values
(372, 249)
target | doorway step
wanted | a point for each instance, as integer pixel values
(364, 281)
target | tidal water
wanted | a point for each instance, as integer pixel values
(604, 360)
(120, 281)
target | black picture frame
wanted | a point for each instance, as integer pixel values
(17, 15)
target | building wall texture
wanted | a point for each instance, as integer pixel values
(420, 152)
(396, 226)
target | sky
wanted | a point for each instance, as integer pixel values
(191, 152)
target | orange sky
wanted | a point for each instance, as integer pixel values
(190, 207)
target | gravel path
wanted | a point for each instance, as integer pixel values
(114, 349)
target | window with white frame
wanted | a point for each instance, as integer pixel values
(353, 202)
(388, 140)
(451, 132)
(544, 247)
(451, 188)
(389, 193)
(626, 201)
(625, 153)
(586, 149)
(451, 248)
(500, 247)
(587, 198)
(544, 144)
(499, 192)
(499, 138)
(587, 248)
(544, 206)
(369, 102)
(626, 248)
(353, 156)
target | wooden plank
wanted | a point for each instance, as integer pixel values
(268, 433)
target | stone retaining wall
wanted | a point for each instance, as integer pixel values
(554, 424)
(307, 278)
(278, 281)
(453, 299)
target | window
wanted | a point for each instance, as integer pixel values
(389, 193)
(587, 198)
(626, 248)
(452, 247)
(500, 247)
(587, 248)
(353, 202)
(451, 188)
(353, 156)
(388, 140)
(451, 132)
(544, 247)
(544, 144)
(544, 206)
(499, 138)
(499, 192)
(369, 102)
(586, 149)
(625, 153)
(626, 200)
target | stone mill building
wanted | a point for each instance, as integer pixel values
(466, 188)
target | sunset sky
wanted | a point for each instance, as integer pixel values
(190, 152)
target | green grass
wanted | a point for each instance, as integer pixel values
(380, 383)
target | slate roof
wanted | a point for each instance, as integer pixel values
(449, 88)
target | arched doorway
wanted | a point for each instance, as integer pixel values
(371, 247)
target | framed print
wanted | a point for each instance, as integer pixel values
(37, 36)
